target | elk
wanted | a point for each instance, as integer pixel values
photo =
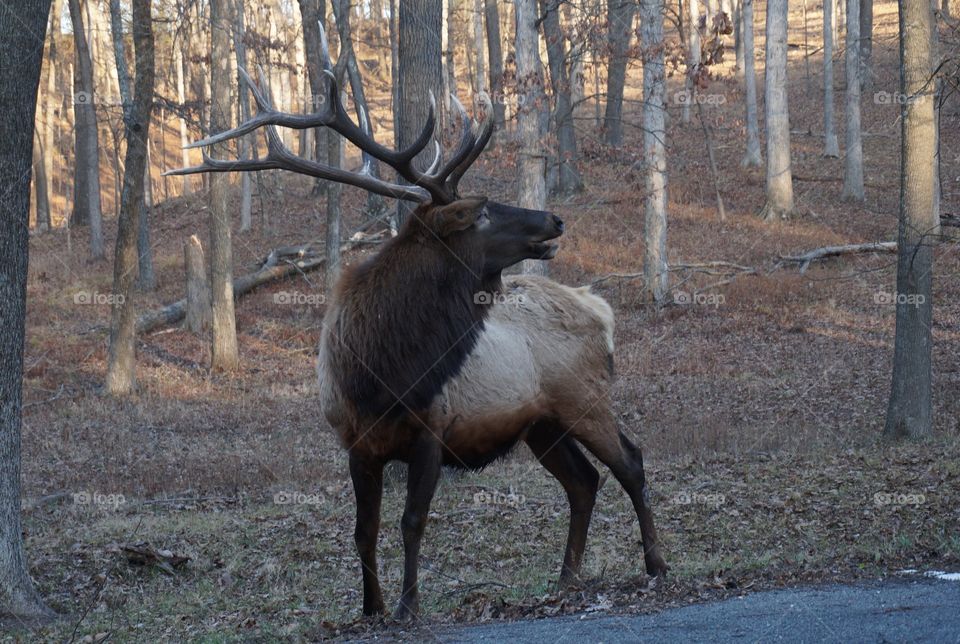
(431, 356)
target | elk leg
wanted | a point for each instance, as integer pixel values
(368, 487)
(562, 458)
(422, 477)
(625, 460)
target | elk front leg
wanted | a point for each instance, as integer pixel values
(422, 476)
(560, 455)
(367, 478)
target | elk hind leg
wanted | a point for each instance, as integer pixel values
(625, 460)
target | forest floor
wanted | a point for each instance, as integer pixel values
(759, 406)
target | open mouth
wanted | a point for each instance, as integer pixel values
(542, 250)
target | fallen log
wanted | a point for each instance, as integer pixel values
(280, 263)
(804, 260)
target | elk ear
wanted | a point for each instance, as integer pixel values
(457, 216)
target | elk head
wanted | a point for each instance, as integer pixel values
(503, 234)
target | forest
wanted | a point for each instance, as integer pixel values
(284, 285)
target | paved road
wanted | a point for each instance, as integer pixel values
(897, 610)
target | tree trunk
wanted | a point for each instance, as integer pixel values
(121, 365)
(910, 411)
(495, 59)
(752, 156)
(197, 287)
(41, 185)
(52, 103)
(654, 150)
(420, 75)
(779, 181)
(19, 27)
(479, 49)
(311, 12)
(224, 355)
(86, 192)
(865, 24)
(853, 166)
(246, 143)
(180, 66)
(567, 178)
(532, 156)
(738, 36)
(146, 276)
(831, 147)
(693, 57)
(620, 25)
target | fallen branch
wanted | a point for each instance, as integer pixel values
(833, 251)
(280, 263)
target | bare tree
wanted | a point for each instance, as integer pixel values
(654, 149)
(564, 177)
(752, 156)
(52, 103)
(853, 142)
(831, 147)
(224, 355)
(495, 59)
(21, 38)
(693, 57)
(779, 177)
(180, 64)
(910, 410)
(146, 279)
(530, 122)
(86, 191)
(865, 30)
(121, 365)
(620, 27)
(420, 75)
(480, 50)
(311, 12)
(246, 144)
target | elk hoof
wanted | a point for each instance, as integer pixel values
(656, 566)
(406, 610)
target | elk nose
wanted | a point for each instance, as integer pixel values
(558, 223)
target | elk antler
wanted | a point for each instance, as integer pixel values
(433, 184)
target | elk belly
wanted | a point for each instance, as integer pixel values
(484, 411)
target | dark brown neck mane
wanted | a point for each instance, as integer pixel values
(406, 320)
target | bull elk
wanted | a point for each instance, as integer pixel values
(430, 356)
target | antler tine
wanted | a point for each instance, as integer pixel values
(324, 47)
(437, 158)
(482, 139)
(467, 141)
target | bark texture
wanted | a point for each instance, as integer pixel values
(21, 39)
(910, 410)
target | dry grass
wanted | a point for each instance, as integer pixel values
(763, 411)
